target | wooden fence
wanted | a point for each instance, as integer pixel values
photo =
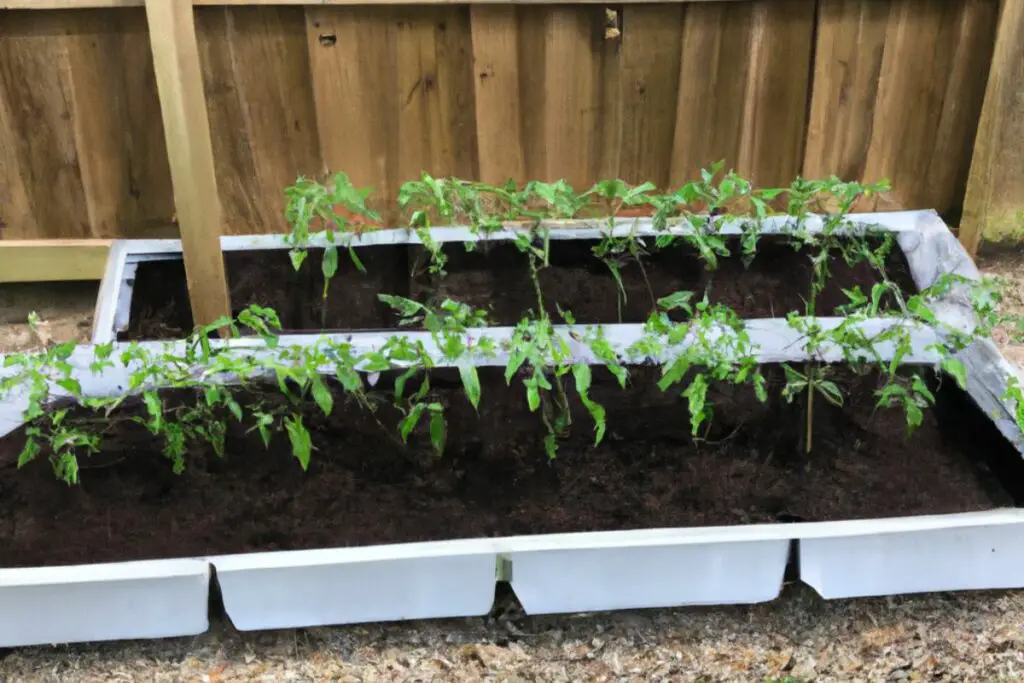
(864, 89)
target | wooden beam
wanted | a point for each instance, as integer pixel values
(172, 36)
(52, 260)
(994, 203)
(75, 4)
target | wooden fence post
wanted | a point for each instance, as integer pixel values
(172, 36)
(994, 203)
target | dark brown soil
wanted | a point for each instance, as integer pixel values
(496, 277)
(362, 487)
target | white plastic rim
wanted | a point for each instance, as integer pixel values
(912, 228)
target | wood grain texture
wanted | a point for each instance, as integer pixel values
(53, 260)
(190, 151)
(994, 203)
(712, 86)
(80, 131)
(260, 102)
(496, 93)
(777, 93)
(648, 90)
(394, 94)
(66, 4)
(898, 93)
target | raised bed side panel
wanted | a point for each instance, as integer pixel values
(349, 586)
(118, 601)
(595, 579)
(956, 553)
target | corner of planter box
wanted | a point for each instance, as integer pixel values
(98, 602)
(305, 588)
(969, 551)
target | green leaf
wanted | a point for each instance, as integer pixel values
(696, 396)
(72, 386)
(581, 373)
(676, 300)
(438, 428)
(298, 435)
(329, 265)
(28, 453)
(532, 394)
(471, 384)
(322, 395)
(409, 422)
(830, 391)
(297, 256)
(954, 367)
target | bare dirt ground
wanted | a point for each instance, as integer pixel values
(799, 637)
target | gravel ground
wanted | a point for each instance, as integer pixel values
(799, 637)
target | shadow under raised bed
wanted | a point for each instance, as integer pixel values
(495, 277)
(364, 487)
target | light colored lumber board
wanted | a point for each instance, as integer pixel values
(259, 98)
(994, 204)
(53, 260)
(187, 131)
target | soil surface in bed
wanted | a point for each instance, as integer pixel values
(364, 488)
(495, 277)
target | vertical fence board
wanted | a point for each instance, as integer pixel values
(651, 53)
(913, 122)
(496, 93)
(436, 128)
(351, 60)
(712, 87)
(562, 61)
(994, 205)
(260, 100)
(847, 66)
(777, 94)
(928, 106)
(80, 125)
(394, 93)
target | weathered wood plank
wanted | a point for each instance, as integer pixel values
(496, 93)
(775, 105)
(647, 93)
(259, 99)
(394, 94)
(847, 65)
(994, 204)
(80, 126)
(187, 129)
(928, 107)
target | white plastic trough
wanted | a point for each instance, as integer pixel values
(549, 573)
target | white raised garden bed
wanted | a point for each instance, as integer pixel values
(550, 573)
